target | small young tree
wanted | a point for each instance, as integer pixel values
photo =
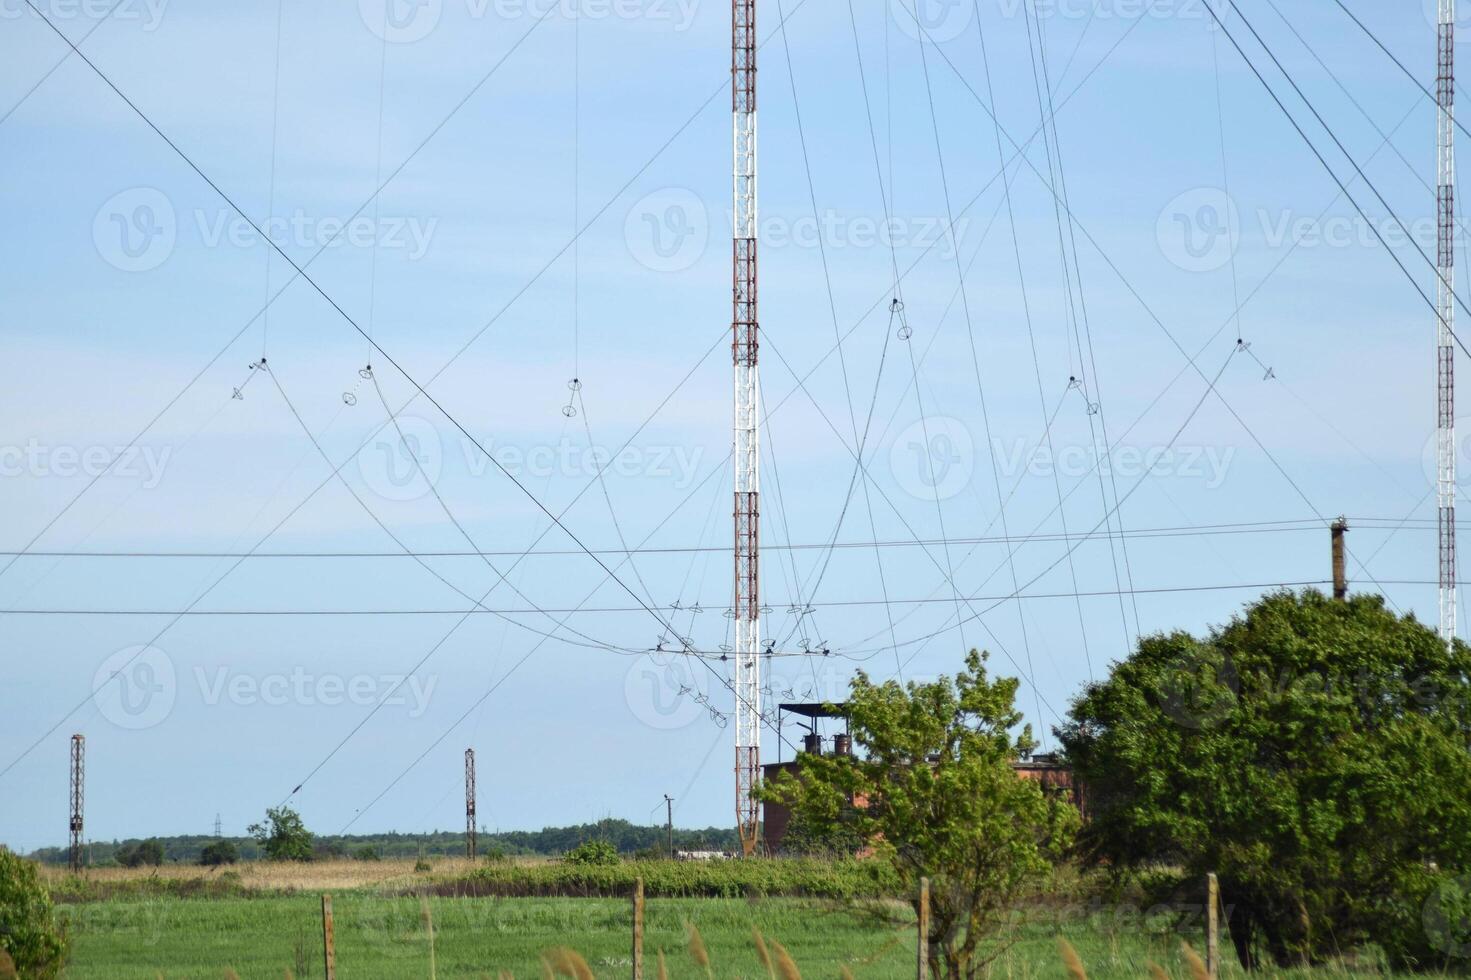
(931, 788)
(282, 835)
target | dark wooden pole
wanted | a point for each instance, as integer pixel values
(1340, 570)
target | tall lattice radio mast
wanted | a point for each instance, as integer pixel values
(1445, 367)
(746, 442)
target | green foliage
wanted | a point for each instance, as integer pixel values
(1314, 754)
(367, 853)
(218, 853)
(146, 852)
(283, 836)
(422, 865)
(595, 852)
(29, 933)
(833, 838)
(933, 791)
(550, 841)
(794, 877)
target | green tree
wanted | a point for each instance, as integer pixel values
(1313, 753)
(144, 852)
(29, 933)
(219, 852)
(282, 835)
(931, 788)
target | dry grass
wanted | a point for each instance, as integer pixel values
(1071, 961)
(786, 967)
(1193, 960)
(286, 876)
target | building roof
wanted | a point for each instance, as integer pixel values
(815, 709)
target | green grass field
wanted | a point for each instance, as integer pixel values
(378, 936)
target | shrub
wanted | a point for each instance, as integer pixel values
(29, 933)
(787, 877)
(423, 865)
(137, 855)
(366, 853)
(593, 852)
(218, 853)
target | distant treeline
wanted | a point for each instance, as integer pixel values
(549, 841)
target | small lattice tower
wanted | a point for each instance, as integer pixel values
(78, 797)
(470, 803)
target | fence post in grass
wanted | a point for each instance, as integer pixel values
(922, 966)
(638, 929)
(1212, 927)
(329, 951)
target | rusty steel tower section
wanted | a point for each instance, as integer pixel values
(470, 803)
(1445, 367)
(745, 446)
(78, 797)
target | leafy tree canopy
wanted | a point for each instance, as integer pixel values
(1313, 753)
(931, 788)
(144, 852)
(282, 835)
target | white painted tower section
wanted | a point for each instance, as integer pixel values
(1445, 433)
(746, 445)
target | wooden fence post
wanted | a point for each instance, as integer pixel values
(1212, 927)
(922, 967)
(638, 929)
(329, 951)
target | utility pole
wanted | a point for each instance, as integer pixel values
(745, 445)
(1340, 572)
(669, 823)
(1445, 360)
(470, 804)
(78, 796)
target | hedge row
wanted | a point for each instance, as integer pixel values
(806, 878)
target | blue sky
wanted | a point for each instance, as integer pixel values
(502, 129)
